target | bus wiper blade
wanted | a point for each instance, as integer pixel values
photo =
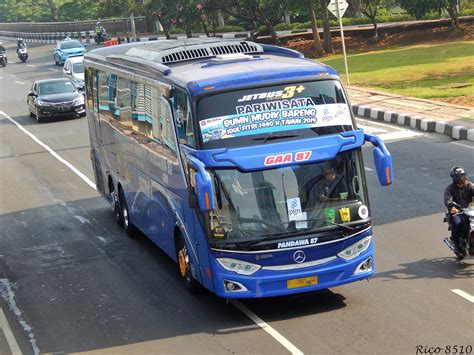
(272, 136)
(347, 228)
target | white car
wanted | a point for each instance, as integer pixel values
(74, 70)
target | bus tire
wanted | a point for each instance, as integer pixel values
(184, 268)
(125, 216)
(117, 209)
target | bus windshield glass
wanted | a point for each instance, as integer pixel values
(289, 200)
(289, 111)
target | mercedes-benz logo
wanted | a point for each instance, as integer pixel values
(299, 256)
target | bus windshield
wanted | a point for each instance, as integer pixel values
(298, 110)
(294, 199)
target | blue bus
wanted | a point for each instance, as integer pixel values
(241, 161)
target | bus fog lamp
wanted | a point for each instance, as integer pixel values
(365, 266)
(355, 249)
(238, 266)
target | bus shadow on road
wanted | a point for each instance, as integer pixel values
(437, 268)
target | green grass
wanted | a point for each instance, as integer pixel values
(412, 70)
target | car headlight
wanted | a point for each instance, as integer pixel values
(79, 101)
(41, 103)
(238, 266)
(355, 249)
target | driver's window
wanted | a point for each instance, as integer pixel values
(183, 117)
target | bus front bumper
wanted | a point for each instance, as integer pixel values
(269, 283)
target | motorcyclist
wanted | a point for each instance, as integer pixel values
(461, 192)
(99, 29)
(20, 44)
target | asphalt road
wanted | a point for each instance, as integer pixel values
(71, 281)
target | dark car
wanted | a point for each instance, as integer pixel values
(53, 98)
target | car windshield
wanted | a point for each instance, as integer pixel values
(71, 44)
(55, 87)
(78, 68)
(288, 200)
(298, 110)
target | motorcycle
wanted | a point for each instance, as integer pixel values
(3, 58)
(22, 54)
(101, 36)
(466, 242)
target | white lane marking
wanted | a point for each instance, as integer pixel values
(31, 65)
(464, 295)
(7, 332)
(52, 69)
(19, 82)
(52, 152)
(257, 320)
(368, 169)
(399, 135)
(8, 295)
(463, 145)
(380, 124)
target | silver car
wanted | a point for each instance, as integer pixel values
(74, 70)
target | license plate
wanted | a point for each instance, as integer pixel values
(303, 282)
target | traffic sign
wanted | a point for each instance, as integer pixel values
(343, 5)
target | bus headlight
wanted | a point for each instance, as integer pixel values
(238, 266)
(355, 249)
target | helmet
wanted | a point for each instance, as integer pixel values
(98, 23)
(457, 172)
(19, 40)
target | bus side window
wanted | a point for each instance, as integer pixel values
(182, 112)
(122, 102)
(104, 94)
(157, 127)
(167, 128)
(89, 87)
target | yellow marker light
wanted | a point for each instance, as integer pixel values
(208, 88)
(208, 204)
(387, 173)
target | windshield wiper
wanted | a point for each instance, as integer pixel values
(296, 233)
(272, 136)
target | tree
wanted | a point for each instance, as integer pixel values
(370, 8)
(419, 8)
(327, 44)
(317, 40)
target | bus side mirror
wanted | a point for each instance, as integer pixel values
(382, 160)
(201, 194)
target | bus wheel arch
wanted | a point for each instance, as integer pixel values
(184, 262)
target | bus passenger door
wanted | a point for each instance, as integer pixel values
(92, 104)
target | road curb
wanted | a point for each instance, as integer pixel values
(416, 122)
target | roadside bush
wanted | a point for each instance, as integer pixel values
(467, 12)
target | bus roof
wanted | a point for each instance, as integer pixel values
(209, 64)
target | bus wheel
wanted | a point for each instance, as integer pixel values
(125, 216)
(117, 208)
(185, 269)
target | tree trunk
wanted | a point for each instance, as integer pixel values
(269, 26)
(376, 33)
(327, 44)
(314, 25)
(453, 13)
(204, 26)
(54, 10)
